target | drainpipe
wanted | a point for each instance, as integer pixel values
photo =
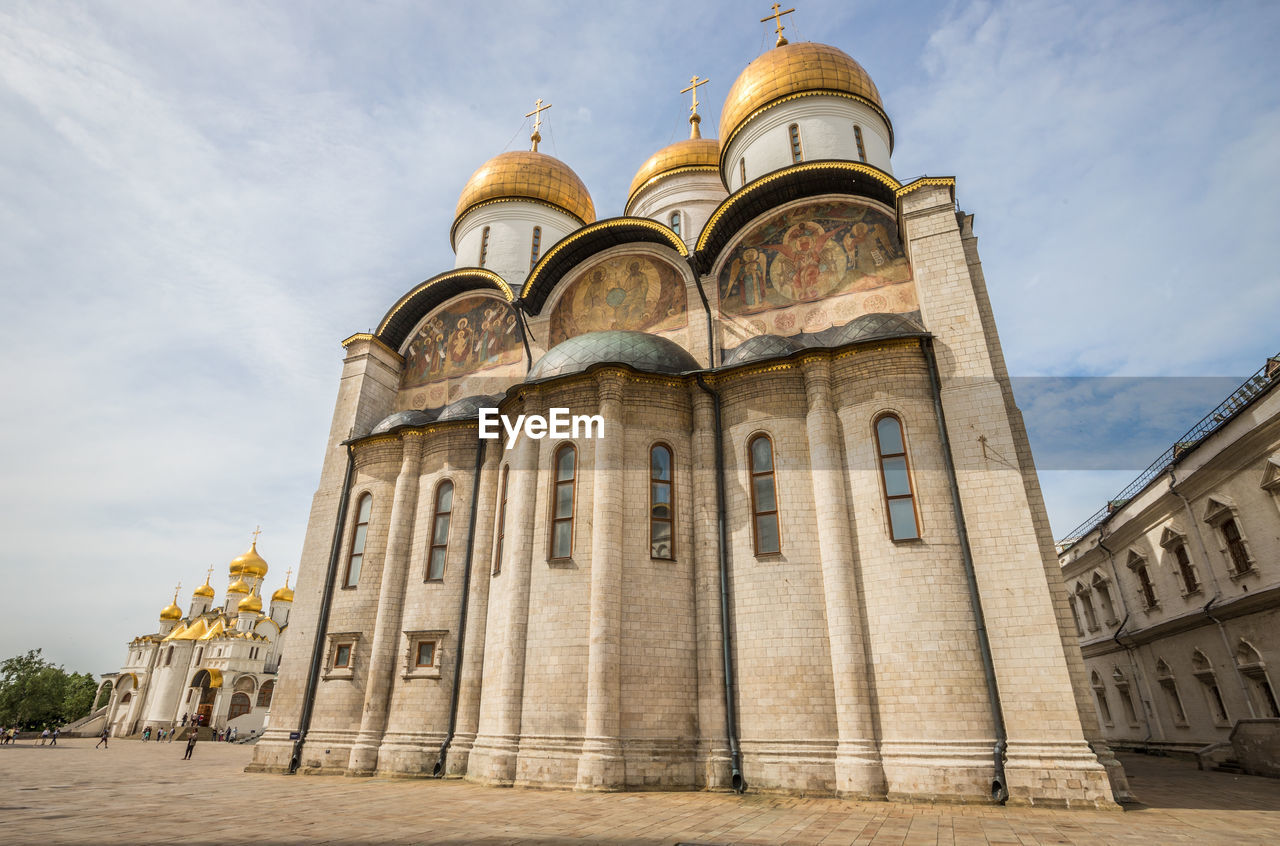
(322, 623)
(518, 309)
(1217, 593)
(706, 308)
(1133, 664)
(438, 772)
(999, 788)
(731, 722)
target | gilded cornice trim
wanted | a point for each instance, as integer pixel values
(365, 336)
(488, 275)
(658, 177)
(453, 230)
(751, 187)
(817, 92)
(672, 239)
(927, 182)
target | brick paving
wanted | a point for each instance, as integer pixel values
(144, 793)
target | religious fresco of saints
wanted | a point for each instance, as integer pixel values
(810, 253)
(466, 336)
(622, 292)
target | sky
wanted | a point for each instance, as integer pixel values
(199, 201)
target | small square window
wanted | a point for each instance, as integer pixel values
(426, 653)
(342, 655)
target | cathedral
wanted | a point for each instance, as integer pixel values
(805, 549)
(215, 665)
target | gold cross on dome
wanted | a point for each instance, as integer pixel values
(176, 591)
(257, 530)
(536, 114)
(287, 574)
(695, 118)
(776, 17)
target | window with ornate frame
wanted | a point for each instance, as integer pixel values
(423, 653)
(1175, 543)
(675, 222)
(661, 503)
(341, 651)
(1220, 513)
(895, 475)
(1100, 696)
(358, 536)
(1204, 673)
(1164, 676)
(438, 551)
(502, 520)
(765, 529)
(1137, 565)
(564, 492)
(797, 153)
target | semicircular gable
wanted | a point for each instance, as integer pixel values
(409, 310)
(571, 251)
(809, 179)
(469, 342)
(636, 290)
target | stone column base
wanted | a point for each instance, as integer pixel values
(1056, 774)
(1115, 772)
(493, 760)
(409, 754)
(457, 760)
(601, 766)
(939, 770)
(272, 753)
(859, 773)
(364, 755)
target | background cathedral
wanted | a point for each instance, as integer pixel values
(810, 553)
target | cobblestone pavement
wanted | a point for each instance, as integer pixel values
(138, 792)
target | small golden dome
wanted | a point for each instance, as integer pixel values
(526, 175)
(284, 594)
(238, 586)
(689, 154)
(171, 612)
(801, 69)
(205, 590)
(249, 565)
(252, 602)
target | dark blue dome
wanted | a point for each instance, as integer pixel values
(639, 350)
(761, 346)
(400, 420)
(870, 326)
(467, 407)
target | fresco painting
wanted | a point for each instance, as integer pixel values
(815, 252)
(466, 336)
(622, 292)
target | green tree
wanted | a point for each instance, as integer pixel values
(35, 693)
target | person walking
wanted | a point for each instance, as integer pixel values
(102, 738)
(44, 737)
(172, 732)
(191, 744)
(56, 732)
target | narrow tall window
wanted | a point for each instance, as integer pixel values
(1189, 581)
(502, 521)
(742, 171)
(1235, 546)
(168, 657)
(484, 245)
(357, 542)
(675, 222)
(897, 479)
(797, 155)
(862, 148)
(440, 532)
(562, 515)
(661, 523)
(764, 496)
(1100, 694)
(536, 249)
(1144, 584)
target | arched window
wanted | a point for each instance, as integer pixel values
(742, 171)
(1240, 560)
(1086, 605)
(264, 693)
(1103, 593)
(502, 521)
(1203, 670)
(1190, 583)
(675, 222)
(797, 155)
(895, 473)
(661, 520)
(536, 249)
(764, 496)
(440, 532)
(357, 542)
(857, 138)
(484, 245)
(562, 502)
(240, 705)
(1170, 687)
(1100, 693)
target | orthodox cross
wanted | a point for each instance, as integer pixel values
(287, 574)
(536, 114)
(694, 119)
(176, 591)
(257, 530)
(776, 17)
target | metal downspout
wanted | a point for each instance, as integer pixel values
(731, 721)
(438, 772)
(322, 624)
(999, 788)
(1217, 594)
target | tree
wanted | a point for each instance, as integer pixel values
(35, 693)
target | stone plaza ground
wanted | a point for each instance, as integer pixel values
(138, 792)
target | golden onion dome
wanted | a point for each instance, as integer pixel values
(684, 156)
(284, 594)
(790, 71)
(250, 565)
(526, 175)
(238, 586)
(171, 612)
(205, 590)
(252, 602)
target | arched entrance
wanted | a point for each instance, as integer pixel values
(205, 685)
